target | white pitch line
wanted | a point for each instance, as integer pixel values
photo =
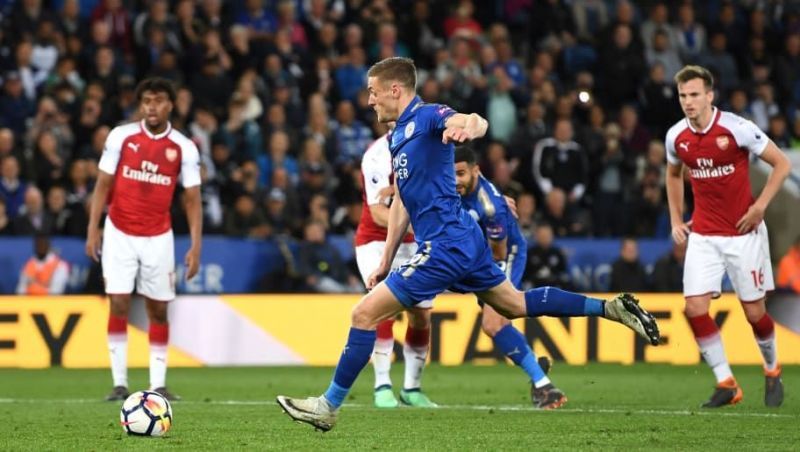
(513, 408)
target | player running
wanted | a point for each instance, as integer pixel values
(370, 241)
(727, 231)
(138, 173)
(481, 199)
(453, 252)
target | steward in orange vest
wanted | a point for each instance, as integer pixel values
(44, 273)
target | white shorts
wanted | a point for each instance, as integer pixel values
(147, 261)
(368, 257)
(745, 258)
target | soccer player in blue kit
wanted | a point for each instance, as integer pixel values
(453, 253)
(481, 199)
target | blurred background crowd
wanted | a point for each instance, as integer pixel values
(578, 94)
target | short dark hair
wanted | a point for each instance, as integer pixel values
(398, 69)
(691, 72)
(155, 85)
(465, 153)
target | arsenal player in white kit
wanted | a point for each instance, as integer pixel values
(370, 240)
(139, 170)
(727, 231)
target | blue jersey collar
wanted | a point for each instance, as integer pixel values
(415, 102)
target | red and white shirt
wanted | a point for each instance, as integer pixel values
(145, 169)
(718, 162)
(376, 174)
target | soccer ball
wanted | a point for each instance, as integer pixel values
(146, 413)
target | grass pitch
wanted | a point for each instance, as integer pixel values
(484, 408)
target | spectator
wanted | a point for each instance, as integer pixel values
(501, 110)
(44, 273)
(627, 273)
(501, 178)
(261, 23)
(633, 136)
(58, 210)
(668, 272)
(566, 221)
(351, 135)
(610, 193)
(559, 162)
(528, 216)
(657, 24)
(351, 75)
(789, 268)
(764, 105)
(15, 107)
(321, 265)
(623, 68)
(720, 62)
(546, 265)
(32, 216)
(778, 131)
(690, 34)
(12, 188)
(246, 220)
(659, 102)
(243, 136)
(662, 53)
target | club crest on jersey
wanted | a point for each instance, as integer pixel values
(171, 154)
(723, 142)
(409, 130)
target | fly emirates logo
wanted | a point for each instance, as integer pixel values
(706, 169)
(148, 173)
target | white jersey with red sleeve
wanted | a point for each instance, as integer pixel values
(146, 169)
(376, 174)
(717, 159)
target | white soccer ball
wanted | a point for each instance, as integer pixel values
(146, 413)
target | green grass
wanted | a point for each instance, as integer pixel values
(485, 407)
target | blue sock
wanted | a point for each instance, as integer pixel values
(555, 302)
(514, 345)
(354, 357)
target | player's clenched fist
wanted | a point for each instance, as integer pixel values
(456, 135)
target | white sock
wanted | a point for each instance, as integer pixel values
(714, 355)
(158, 366)
(769, 351)
(544, 381)
(415, 361)
(118, 351)
(382, 361)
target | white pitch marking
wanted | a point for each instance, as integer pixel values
(513, 408)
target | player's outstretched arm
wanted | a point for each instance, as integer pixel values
(674, 182)
(194, 215)
(781, 166)
(461, 127)
(396, 229)
(98, 203)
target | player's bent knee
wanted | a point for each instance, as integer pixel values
(362, 317)
(491, 326)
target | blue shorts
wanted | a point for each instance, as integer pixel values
(461, 264)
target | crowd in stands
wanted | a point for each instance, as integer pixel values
(578, 93)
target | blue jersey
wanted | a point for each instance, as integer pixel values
(489, 208)
(453, 253)
(424, 174)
